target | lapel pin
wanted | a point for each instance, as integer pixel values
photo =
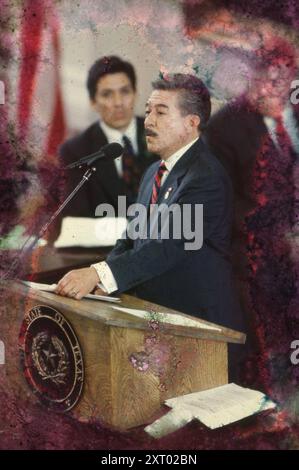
(167, 193)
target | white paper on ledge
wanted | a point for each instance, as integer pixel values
(51, 288)
(215, 408)
(172, 318)
(90, 232)
(17, 239)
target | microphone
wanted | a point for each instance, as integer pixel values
(112, 150)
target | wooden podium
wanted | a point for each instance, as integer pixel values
(98, 363)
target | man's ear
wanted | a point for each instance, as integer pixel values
(193, 122)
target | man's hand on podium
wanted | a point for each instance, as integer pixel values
(77, 283)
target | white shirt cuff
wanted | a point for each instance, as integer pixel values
(106, 277)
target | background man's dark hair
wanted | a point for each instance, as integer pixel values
(108, 65)
(194, 97)
(274, 52)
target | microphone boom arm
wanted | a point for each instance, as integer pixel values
(25, 250)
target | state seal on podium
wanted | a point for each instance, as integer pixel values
(51, 358)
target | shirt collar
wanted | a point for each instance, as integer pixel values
(114, 135)
(286, 115)
(174, 158)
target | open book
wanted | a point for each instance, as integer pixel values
(51, 288)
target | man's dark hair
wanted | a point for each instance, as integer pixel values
(108, 65)
(194, 97)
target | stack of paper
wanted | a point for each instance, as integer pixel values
(215, 407)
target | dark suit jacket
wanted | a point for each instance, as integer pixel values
(235, 135)
(195, 282)
(105, 185)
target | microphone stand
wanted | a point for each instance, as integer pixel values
(26, 250)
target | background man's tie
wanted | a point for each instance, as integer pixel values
(157, 182)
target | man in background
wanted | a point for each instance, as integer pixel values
(111, 85)
(256, 137)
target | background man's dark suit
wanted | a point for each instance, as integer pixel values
(195, 282)
(106, 185)
(235, 135)
(264, 200)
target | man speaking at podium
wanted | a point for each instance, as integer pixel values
(194, 281)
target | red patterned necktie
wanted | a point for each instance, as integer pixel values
(157, 182)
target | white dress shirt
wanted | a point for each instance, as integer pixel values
(290, 125)
(114, 135)
(108, 282)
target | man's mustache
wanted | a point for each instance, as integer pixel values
(150, 133)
